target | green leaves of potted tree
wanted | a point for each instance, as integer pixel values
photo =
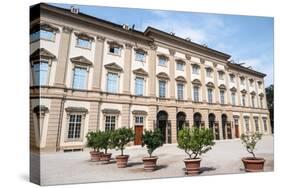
(195, 141)
(152, 140)
(105, 144)
(93, 141)
(252, 164)
(121, 137)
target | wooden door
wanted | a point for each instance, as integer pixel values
(138, 135)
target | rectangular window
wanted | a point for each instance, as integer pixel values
(259, 85)
(79, 78)
(222, 96)
(209, 73)
(242, 80)
(83, 43)
(210, 95)
(110, 122)
(196, 93)
(180, 91)
(243, 100)
(139, 120)
(162, 61)
(41, 72)
(247, 126)
(195, 69)
(162, 89)
(233, 96)
(139, 86)
(251, 83)
(115, 50)
(42, 34)
(140, 56)
(112, 82)
(231, 79)
(253, 101)
(74, 126)
(221, 75)
(180, 66)
(264, 124)
(256, 124)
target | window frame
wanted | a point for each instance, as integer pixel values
(247, 124)
(165, 88)
(196, 98)
(87, 68)
(144, 85)
(195, 69)
(143, 54)
(118, 81)
(110, 122)
(179, 66)
(38, 61)
(164, 59)
(180, 96)
(210, 95)
(222, 97)
(84, 47)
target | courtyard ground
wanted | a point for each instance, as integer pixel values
(76, 167)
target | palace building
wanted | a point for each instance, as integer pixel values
(90, 74)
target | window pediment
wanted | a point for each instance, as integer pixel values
(232, 75)
(84, 36)
(42, 52)
(259, 82)
(115, 44)
(221, 71)
(81, 60)
(141, 50)
(222, 86)
(244, 91)
(178, 60)
(210, 85)
(110, 111)
(76, 109)
(163, 56)
(40, 108)
(253, 93)
(261, 95)
(251, 79)
(196, 65)
(180, 79)
(233, 89)
(139, 112)
(44, 26)
(113, 66)
(209, 68)
(196, 82)
(140, 71)
(163, 75)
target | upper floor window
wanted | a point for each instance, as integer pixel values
(112, 82)
(162, 61)
(259, 84)
(110, 122)
(195, 69)
(42, 34)
(210, 95)
(162, 88)
(180, 66)
(242, 80)
(261, 102)
(251, 82)
(209, 73)
(264, 124)
(243, 100)
(114, 48)
(253, 101)
(233, 96)
(221, 75)
(139, 86)
(180, 91)
(83, 43)
(80, 77)
(140, 56)
(196, 93)
(231, 77)
(222, 96)
(40, 72)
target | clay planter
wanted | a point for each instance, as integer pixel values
(122, 160)
(253, 165)
(95, 155)
(149, 163)
(192, 166)
(105, 157)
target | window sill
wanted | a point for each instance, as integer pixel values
(42, 39)
(84, 48)
(117, 55)
(163, 65)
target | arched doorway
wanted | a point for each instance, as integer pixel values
(197, 119)
(163, 125)
(223, 123)
(181, 121)
(213, 125)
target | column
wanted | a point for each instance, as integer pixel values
(218, 118)
(152, 71)
(151, 117)
(202, 74)
(173, 118)
(172, 73)
(127, 68)
(188, 79)
(63, 56)
(98, 63)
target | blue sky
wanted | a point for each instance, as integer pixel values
(247, 39)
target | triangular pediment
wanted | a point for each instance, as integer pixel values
(42, 52)
(113, 66)
(140, 71)
(81, 60)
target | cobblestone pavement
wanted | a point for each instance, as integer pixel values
(76, 167)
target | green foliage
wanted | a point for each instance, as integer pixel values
(152, 140)
(106, 140)
(250, 141)
(94, 140)
(195, 141)
(121, 137)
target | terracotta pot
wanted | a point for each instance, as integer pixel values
(253, 164)
(105, 157)
(149, 163)
(95, 155)
(122, 160)
(192, 166)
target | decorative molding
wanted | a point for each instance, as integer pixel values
(113, 66)
(139, 112)
(110, 111)
(84, 36)
(100, 38)
(41, 52)
(188, 56)
(180, 79)
(172, 52)
(233, 89)
(196, 82)
(115, 44)
(128, 45)
(244, 91)
(40, 109)
(163, 75)
(81, 60)
(222, 87)
(253, 93)
(202, 60)
(215, 64)
(152, 46)
(140, 71)
(261, 95)
(210, 85)
(67, 29)
(76, 109)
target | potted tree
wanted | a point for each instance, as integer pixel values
(195, 141)
(93, 141)
(152, 140)
(252, 164)
(105, 144)
(121, 137)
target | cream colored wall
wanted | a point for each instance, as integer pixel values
(63, 142)
(110, 106)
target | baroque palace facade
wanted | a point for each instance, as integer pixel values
(90, 74)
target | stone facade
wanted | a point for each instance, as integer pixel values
(201, 87)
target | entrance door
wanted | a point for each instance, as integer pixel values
(223, 122)
(138, 134)
(162, 124)
(229, 132)
(181, 122)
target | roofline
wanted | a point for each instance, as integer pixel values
(237, 66)
(193, 44)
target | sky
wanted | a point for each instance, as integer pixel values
(248, 39)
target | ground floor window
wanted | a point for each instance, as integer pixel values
(74, 126)
(139, 120)
(247, 126)
(264, 124)
(110, 122)
(256, 124)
